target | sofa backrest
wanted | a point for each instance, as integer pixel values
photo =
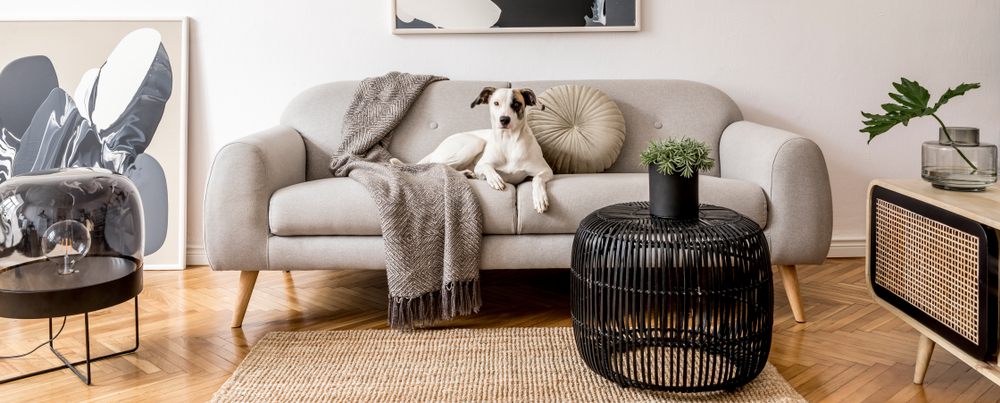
(657, 109)
(653, 109)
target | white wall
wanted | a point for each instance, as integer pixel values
(805, 66)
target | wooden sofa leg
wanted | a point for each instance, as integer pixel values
(924, 351)
(790, 278)
(247, 281)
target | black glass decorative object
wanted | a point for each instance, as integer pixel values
(674, 305)
(71, 242)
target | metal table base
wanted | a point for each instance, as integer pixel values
(72, 366)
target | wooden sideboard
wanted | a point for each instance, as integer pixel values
(932, 260)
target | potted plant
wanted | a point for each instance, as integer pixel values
(673, 176)
(957, 160)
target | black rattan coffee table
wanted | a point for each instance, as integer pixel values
(672, 305)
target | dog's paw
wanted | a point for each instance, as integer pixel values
(541, 200)
(496, 182)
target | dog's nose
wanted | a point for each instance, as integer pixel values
(505, 120)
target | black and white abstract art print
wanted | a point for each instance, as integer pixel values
(106, 94)
(485, 16)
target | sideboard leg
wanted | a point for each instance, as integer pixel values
(790, 278)
(247, 281)
(925, 349)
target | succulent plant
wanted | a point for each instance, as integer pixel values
(682, 157)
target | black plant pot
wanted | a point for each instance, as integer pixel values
(673, 196)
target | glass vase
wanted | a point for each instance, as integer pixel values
(958, 161)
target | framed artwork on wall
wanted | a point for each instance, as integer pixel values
(109, 94)
(500, 16)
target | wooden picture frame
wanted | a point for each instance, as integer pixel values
(397, 29)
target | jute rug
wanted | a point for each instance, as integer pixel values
(510, 364)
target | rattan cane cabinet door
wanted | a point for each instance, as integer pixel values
(936, 266)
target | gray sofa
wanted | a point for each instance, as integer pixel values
(271, 203)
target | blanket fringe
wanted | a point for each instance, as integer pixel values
(457, 298)
(460, 298)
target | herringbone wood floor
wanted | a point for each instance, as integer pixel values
(850, 350)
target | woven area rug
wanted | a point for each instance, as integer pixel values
(509, 364)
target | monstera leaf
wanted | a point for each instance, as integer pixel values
(912, 101)
(954, 92)
(129, 97)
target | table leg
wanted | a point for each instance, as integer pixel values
(89, 360)
(925, 349)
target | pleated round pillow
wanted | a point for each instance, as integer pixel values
(581, 130)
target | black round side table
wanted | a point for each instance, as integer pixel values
(684, 306)
(71, 242)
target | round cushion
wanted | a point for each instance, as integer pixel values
(580, 130)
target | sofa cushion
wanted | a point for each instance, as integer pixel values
(341, 206)
(573, 197)
(580, 129)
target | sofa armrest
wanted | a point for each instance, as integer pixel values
(243, 177)
(793, 174)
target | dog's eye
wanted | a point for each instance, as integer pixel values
(496, 103)
(516, 105)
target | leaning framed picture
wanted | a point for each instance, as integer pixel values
(500, 16)
(108, 94)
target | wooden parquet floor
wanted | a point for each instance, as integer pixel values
(850, 350)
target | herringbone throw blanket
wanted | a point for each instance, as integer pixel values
(431, 219)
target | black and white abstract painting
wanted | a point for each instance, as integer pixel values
(102, 94)
(485, 16)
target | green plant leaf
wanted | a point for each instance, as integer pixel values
(912, 101)
(683, 157)
(911, 94)
(954, 92)
(893, 108)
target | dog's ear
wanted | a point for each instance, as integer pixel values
(484, 96)
(530, 99)
(529, 96)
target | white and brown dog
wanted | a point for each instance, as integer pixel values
(507, 153)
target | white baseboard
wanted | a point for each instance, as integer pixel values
(196, 256)
(843, 247)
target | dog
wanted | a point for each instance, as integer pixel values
(507, 153)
